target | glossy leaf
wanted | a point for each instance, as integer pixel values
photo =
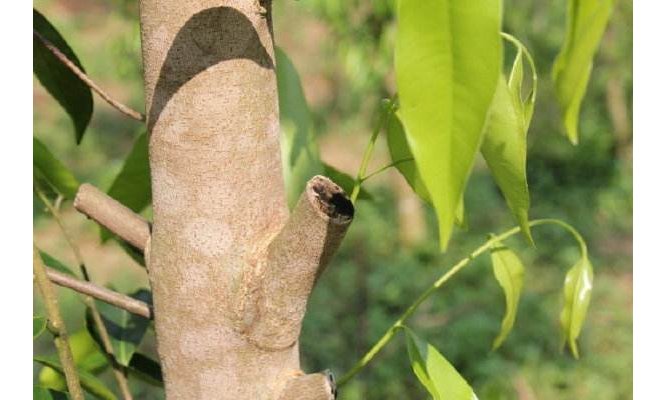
(52, 262)
(577, 294)
(72, 94)
(42, 393)
(126, 330)
(132, 185)
(509, 272)
(87, 357)
(586, 23)
(300, 154)
(89, 382)
(52, 171)
(38, 326)
(404, 162)
(345, 181)
(146, 369)
(505, 144)
(436, 374)
(447, 61)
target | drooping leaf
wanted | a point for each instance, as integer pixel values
(300, 154)
(72, 94)
(505, 143)
(509, 272)
(345, 181)
(403, 158)
(52, 171)
(132, 185)
(38, 326)
(577, 294)
(126, 330)
(87, 357)
(42, 393)
(447, 61)
(146, 369)
(89, 382)
(52, 262)
(436, 374)
(586, 23)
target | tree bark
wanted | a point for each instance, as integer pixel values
(230, 270)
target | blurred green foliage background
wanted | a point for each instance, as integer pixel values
(343, 50)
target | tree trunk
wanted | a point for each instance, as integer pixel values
(230, 270)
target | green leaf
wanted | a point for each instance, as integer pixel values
(300, 154)
(88, 381)
(54, 172)
(345, 181)
(87, 357)
(146, 369)
(403, 159)
(72, 94)
(126, 330)
(38, 326)
(586, 23)
(577, 294)
(132, 185)
(436, 374)
(42, 393)
(509, 272)
(447, 61)
(52, 262)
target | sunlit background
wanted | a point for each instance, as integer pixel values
(343, 51)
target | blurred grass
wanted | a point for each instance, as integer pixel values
(343, 51)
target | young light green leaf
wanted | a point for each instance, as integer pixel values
(300, 154)
(509, 272)
(52, 262)
(38, 326)
(132, 185)
(88, 381)
(72, 94)
(586, 23)
(345, 181)
(52, 171)
(447, 61)
(505, 144)
(126, 330)
(403, 159)
(436, 374)
(42, 393)
(87, 357)
(577, 294)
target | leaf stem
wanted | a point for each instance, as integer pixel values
(367, 154)
(385, 167)
(57, 326)
(390, 332)
(118, 371)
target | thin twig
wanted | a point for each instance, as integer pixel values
(82, 75)
(101, 293)
(57, 326)
(118, 370)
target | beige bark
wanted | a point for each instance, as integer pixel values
(230, 270)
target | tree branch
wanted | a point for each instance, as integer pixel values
(319, 386)
(119, 300)
(81, 75)
(57, 326)
(113, 215)
(293, 262)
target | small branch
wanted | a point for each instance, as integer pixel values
(57, 326)
(276, 296)
(82, 75)
(113, 215)
(119, 300)
(319, 386)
